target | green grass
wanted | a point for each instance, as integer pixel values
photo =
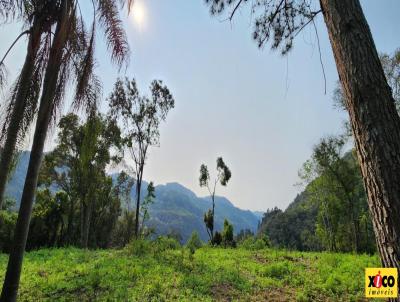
(215, 274)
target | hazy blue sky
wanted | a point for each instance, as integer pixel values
(262, 112)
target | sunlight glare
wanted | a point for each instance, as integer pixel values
(138, 12)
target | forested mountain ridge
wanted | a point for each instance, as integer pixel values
(176, 210)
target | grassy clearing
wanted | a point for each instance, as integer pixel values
(145, 273)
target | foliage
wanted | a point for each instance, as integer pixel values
(254, 243)
(223, 177)
(147, 202)
(141, 117)
(217, 240)
(243, 235)
(332, 212)
(141, 247)
(227, 234)
(279, 21)
(71, 274)
(86, 207)
(124, 229)
(8, 219)
(194, 242)
(336, 187)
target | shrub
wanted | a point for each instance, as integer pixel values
(139, 247)
(252, 243)
(194, 242)
(227, 234)
(163, 243)
(8, 220)
(217, 238)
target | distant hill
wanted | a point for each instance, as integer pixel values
(176, 208)
(16, 183)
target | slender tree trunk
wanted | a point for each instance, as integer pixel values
(138, 189)
(374, 120)
(83, 227)
(11, 281)
(213, 210)
(17, 114)
(87, 213)
(87, 217)
(71, 216)
(354, 229)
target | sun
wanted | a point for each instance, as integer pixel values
(138, 12)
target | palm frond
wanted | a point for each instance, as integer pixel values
(107, 13)
(88, 87)
(34, 90)
(30, 99)
(3, 76)
(11, 9)
(59, 94)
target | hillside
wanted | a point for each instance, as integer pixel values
(150, 273)
(175, 210)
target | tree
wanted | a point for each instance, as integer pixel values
(141, 118)
(391, 68)
(38, 18)
(69, 42)
(8, 218)
(369, 100)
(227, 234)
(126, 222)
(335, 185)
(223, 177)
(244, 234)
(147, 201)
(193, 243)
(78, 166)
(47, 224)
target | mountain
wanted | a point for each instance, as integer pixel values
(16, 183)
(175, 210)
(178, 209)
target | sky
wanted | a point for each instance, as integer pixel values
(260, 111)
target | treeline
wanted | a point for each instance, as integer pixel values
(76, 202)
(330, 214)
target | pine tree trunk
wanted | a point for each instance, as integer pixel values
(374, 120)
(11, 281)
(17, 114)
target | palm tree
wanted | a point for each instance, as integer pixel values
(37, 18)
(72, 52)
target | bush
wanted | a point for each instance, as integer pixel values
(194, 242)
(163, 243)
(217, 239)
(142, 247)
(139, 247)
(252, 243)
(227, 234)
(8, 220)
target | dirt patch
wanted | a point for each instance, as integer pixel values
(223, 292)
(274, 295)
(260, 259)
